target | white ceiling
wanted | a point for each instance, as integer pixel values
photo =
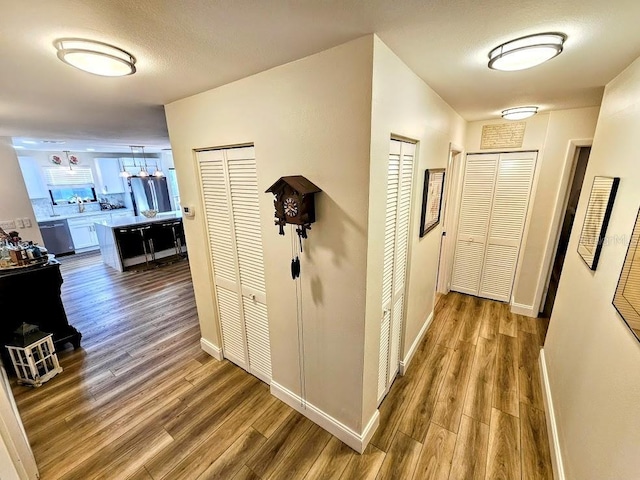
(184, 47)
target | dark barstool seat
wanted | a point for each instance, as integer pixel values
(177, 232)
(131, 247)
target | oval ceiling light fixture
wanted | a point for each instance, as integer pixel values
(519, 113)
(526, 52)
(95, 57)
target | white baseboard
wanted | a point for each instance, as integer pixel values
(211, 349)
(552, 427)
(526, 310)
(353, 439)
(404, 363)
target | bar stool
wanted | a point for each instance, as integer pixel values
(176, 230)
(130, 247)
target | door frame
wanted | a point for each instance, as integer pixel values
(453, 191)
(560, 206)
(14, 443)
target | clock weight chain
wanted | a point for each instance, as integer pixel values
(296, 249)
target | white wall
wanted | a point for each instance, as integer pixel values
(403, 105)
(15, 201)
(310, 117)
(592, 358)
(549, 133)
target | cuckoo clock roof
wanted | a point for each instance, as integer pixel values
(299, 183)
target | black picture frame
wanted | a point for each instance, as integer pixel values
(431, 204)
(626, 300)
(596, 219)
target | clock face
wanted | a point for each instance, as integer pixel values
(290, 207)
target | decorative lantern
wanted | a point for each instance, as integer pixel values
(33, 355)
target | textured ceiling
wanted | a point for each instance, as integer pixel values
(184, 47)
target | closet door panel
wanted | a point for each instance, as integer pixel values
(467, 267)
(243, 185)
(391, 217)
(257, 326)
(218, 217)
(473, 224)
(383, 366)
(232, 332)
(508, 217)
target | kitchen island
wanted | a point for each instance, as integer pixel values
(133, 241)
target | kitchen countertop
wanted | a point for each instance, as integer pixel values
(141, 220)
(85, 214)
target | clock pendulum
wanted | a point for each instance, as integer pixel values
(294, 204)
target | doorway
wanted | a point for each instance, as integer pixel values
(579, 170)
(449, 205)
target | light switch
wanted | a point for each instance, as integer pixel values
(19, 223)
(27, 222)
(7, 225)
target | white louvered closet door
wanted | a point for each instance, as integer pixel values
(473, 224)
(495, 202)
(230, 192)
(508, 216)
(396, 246)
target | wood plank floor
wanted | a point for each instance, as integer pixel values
(140, 400)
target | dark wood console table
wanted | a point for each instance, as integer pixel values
(32, 295)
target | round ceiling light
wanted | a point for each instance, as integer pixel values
(526, 52)
(95, 57)
(519, 113)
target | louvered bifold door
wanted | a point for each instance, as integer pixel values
(473, 223)
(243, 183)
(508, 217)
(393, 183)
(396, 242)
(230, 190)
(217, 207)
(401, 254)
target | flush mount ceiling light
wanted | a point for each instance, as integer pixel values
(519, 113)
(95, 57)
(526, 52)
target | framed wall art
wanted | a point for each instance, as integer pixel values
(431, 199)
(596, 220)
(627, 297)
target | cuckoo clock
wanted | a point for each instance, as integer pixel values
(294, 203)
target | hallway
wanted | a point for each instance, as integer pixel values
(141, 400)
(470, 405)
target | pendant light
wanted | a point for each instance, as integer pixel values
(526, 52)
(143, 170)
(519, 113)
(158, 172)
(123, 172)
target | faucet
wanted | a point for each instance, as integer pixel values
(80, 204)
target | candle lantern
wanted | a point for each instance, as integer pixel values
(33, 355)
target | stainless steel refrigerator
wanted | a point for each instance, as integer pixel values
(150, 193)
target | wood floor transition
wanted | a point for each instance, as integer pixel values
(141, 400)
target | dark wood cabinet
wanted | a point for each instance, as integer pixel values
(33, 295)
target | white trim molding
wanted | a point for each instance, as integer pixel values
(559, 210)
(357, 441)
(404, 363)
(526, 310)
(211, 349)
(552, 426)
